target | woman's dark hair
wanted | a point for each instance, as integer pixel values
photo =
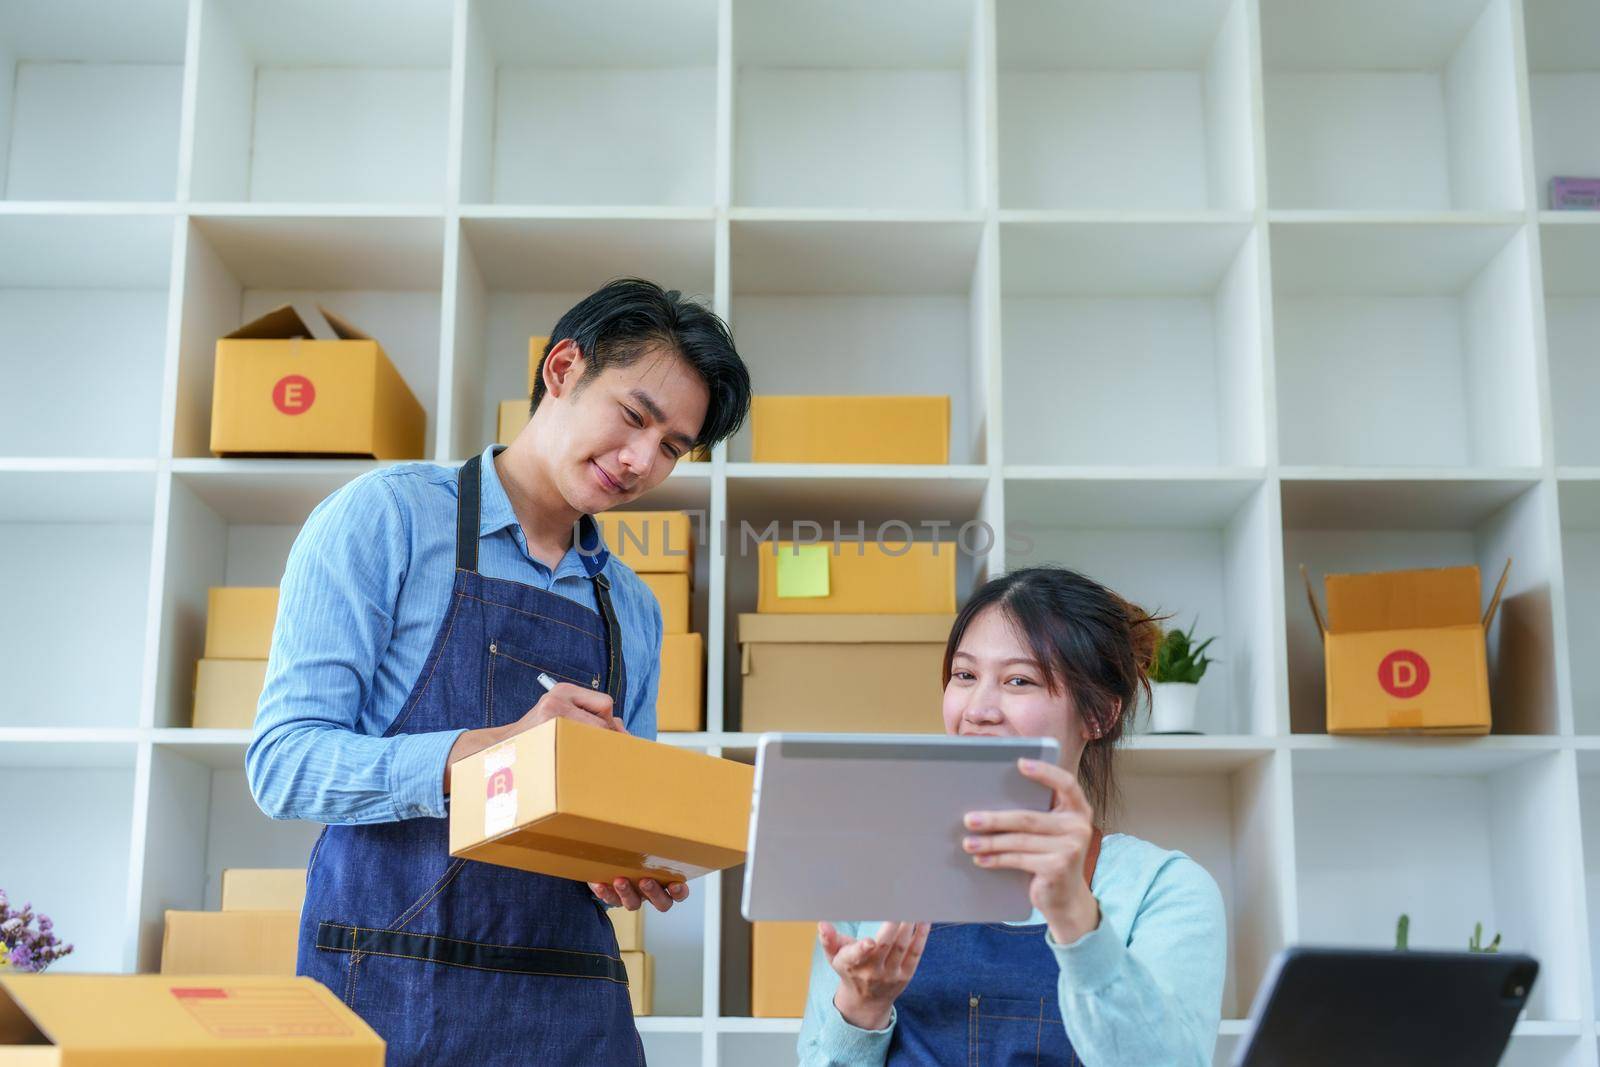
(623, 321)
(1087, 640)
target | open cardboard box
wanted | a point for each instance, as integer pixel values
(1405, 651)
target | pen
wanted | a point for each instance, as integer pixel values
(548, 682)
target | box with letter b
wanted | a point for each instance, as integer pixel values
(1404, 650)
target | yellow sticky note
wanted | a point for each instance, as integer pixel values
(803, 571)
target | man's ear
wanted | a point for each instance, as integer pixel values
(563, 368)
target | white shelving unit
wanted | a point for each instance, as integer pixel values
(1216, 289)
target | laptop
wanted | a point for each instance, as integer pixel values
(1385, 1008)
(860, 827)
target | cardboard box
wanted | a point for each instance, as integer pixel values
(239, 622)
(514, 415)
(650, 542)
(672, 590)
(641, 981)
(850, 429)
(857, 578)
(230, 942)
(629, 926)
(147, 1020)
(277, 391)
(843, 673)
(579, 802)
(680, 697)
(780, 968)
(226, 692)
(1404, 651)
(264, 889)
(535, 354)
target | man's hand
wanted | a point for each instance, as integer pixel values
(564, 701)
(621, 893)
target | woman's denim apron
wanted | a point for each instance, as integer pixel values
(453, 961)
(984, 995)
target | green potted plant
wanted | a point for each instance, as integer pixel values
(1175, 675)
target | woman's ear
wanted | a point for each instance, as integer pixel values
(1094, 731)
(563, 368)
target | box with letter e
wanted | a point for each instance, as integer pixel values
(1405, 650)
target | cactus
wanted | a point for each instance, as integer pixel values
(1178, 659)
(1402, 933)
(1477, 945)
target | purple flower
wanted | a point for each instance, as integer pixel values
(22, 958)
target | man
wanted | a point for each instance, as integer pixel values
(418, 608)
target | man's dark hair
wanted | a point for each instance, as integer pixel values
(626, 319)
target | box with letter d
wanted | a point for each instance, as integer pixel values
(1404, 650)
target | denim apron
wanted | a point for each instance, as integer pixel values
(984, 995)
(455, 961)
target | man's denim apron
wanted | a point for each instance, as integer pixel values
(454, 961)
(984, 995)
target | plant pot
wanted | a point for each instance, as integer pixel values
(1172, 707)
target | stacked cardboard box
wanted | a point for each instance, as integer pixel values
(848, 636)
(850, 429)
(256, 932)
(228, 680)
(780, 968)
(279, 390)
(659, 547)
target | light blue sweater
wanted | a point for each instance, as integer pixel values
(1144, 987)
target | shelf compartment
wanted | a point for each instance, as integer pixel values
(864, 308)
(1589, 818)
(1448, 849)
(83, 334)
(384, 275)
(1580, 553)
(517, 277)
(844, 105)
(90, 99)
(1107, 327)
(1571, 261)
(1356, 527)
(1106, 105)
(553, 92)
(1364, 110)
(309, 102)
(1199, 552)
(1563, 82)
(1405, 344)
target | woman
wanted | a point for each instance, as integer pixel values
(1122, 961)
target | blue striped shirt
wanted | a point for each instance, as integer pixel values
(368, 581)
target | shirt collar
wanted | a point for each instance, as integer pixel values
(495, 514)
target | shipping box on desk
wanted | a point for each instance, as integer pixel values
(277, 391)
(850, 429)
(230, 942)
(145, 1020)
(580, 802)
(1404, 651)
(239, 621)
(843, 673)
(264, 889)
(857, 578)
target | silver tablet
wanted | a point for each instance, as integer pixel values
(859, 827)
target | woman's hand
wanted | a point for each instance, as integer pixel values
(873, 971)
(1051, 846)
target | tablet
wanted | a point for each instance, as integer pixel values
(856, 827)
(1384, 1008)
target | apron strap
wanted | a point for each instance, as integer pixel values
(608, 616)
(469, 494)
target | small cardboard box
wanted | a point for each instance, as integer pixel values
(148, 1020)
(239, 622)
(514, 415)
(857, 578)
(576, 801)
(672, 590)
(650, 542)
(230, 942)
(850, 429)
(226, 692)
(264, 889)
(680, 697)
(535, 354)
(277, 392)
(843, 673)
(629, 926)
(641, 968)
(1404, 651)
(780, 968)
